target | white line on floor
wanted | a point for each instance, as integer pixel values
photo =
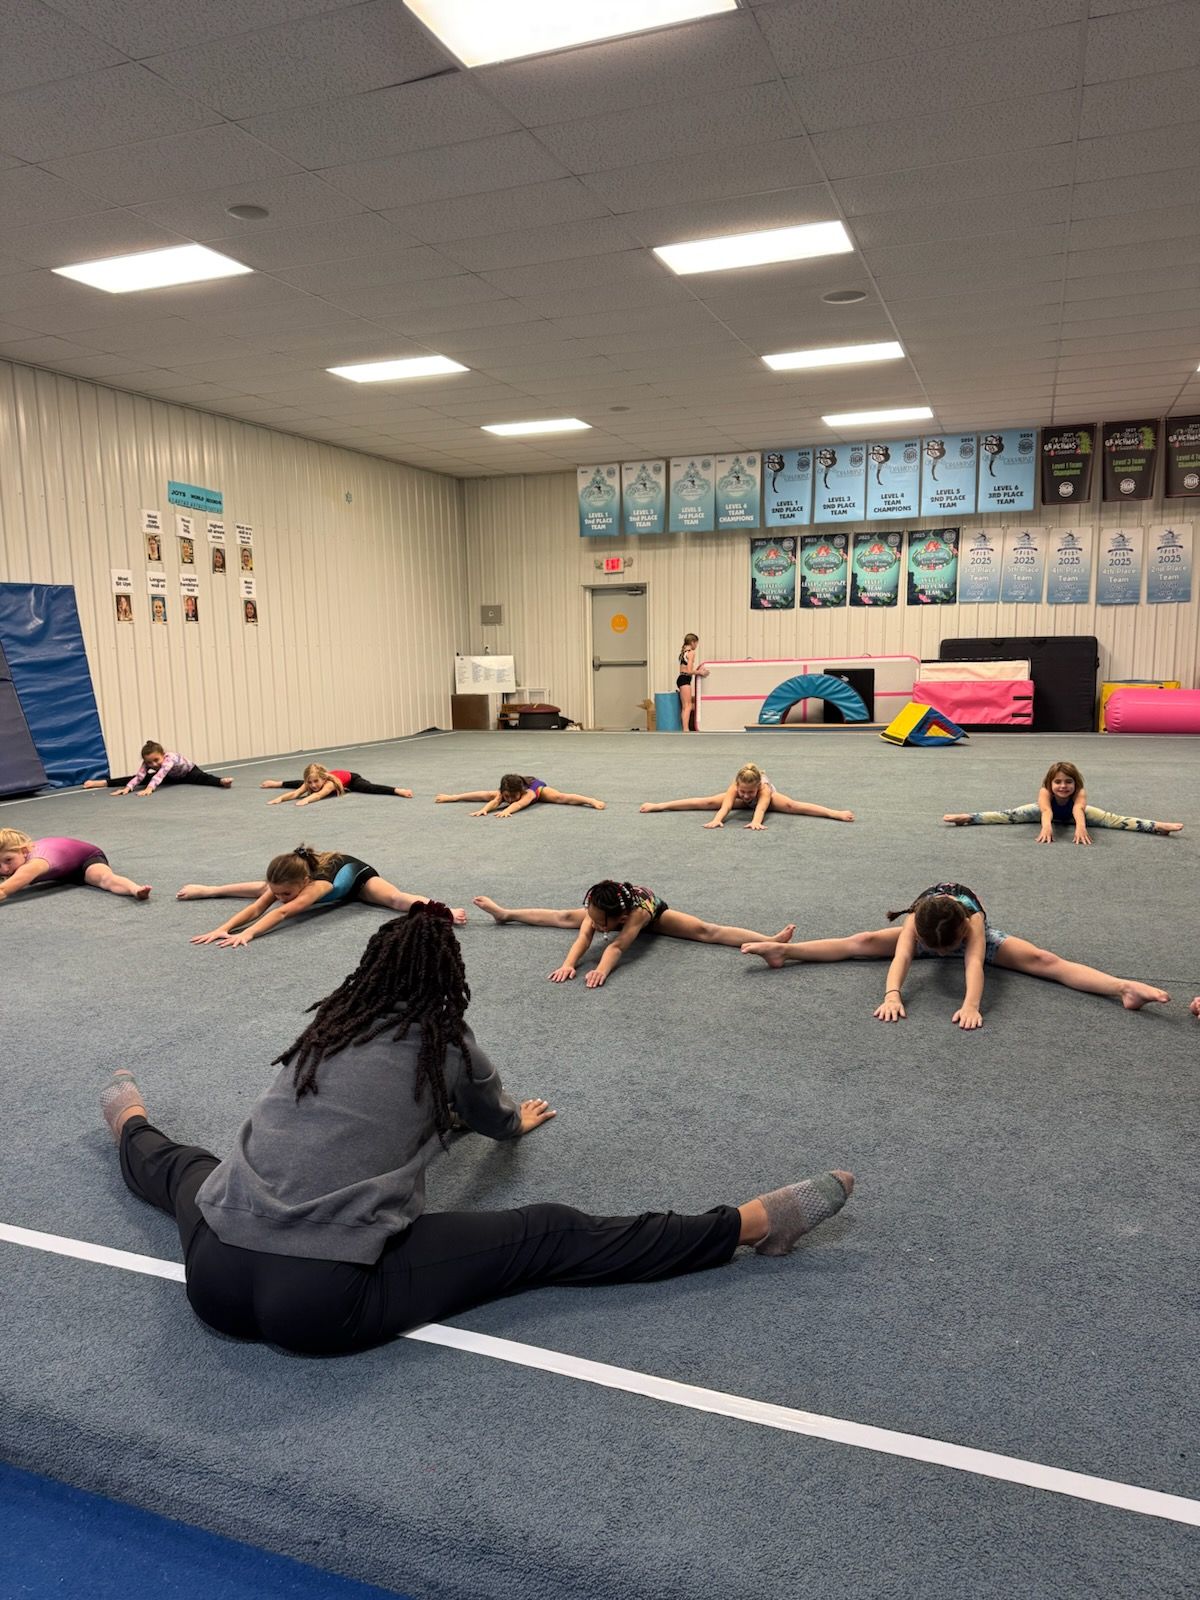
(885, 1441)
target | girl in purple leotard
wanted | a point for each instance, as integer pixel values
(25, 861)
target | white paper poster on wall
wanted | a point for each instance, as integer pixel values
(1169, 567)
(151, 522)
(1119, 570)
(644, 496)
(893, 479)
(693, 494)
(979, 568)
(185, 525)
(1069, 566)
(216, 531)
(1023, 566)
(245, 533)
(122, 580)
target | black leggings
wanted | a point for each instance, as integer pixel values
(357, 785)
(198, 775)
(444, 1263)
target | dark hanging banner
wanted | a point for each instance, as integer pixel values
(1067, 458)
(1183, 457)
(1130, 457)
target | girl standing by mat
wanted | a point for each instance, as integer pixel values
(25, 861)
(949, 920)
(313, 1235)
(1062, 798)
(751, 790)
(160, 766)
(326, 783)
(626, 910)
(685, 681)
(517, 793)
(300, 880)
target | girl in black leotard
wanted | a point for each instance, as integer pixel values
(688, 670)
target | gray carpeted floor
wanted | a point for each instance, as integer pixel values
(1016, 1272)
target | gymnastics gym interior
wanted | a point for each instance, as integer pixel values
(397, 386)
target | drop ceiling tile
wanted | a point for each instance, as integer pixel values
(1136, 284)
(102, 233)
(155, 169)
(633, 266)
(1087, 323)
(1132, 104)
(508, 161)
(43, 293)
(40, 46)
(1151, 191)
(714, 175)
(491, 315)
(961, 219)
(1154, 255)
(815, 35)
(41, 350)
(394, 121)
(372, 269)
(1041, 61)
(299, 197)
(969, 253)
(756, 114)
(268, 248)
(114, 106)
(534, 205)
(633, 296)
(1003, 275)
(141, 29)
(354, 49)
(1185, 302)
(348, 339)
(1137, 227)
(389, 303)
(1154, 39)
(533, 246)
(29, 196)
(1130, 155)
(931, 186)
(988, 132)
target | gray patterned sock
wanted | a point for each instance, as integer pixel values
(117, 1097)
(798, 1208)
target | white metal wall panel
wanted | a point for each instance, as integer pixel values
(524, 552)
(362, 601)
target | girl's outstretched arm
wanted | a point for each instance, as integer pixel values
(304, 901)
(1079, 812)
(29, 873)
(520, 804)
(282, 799)
(323, 793)
(239, 919)
(891, 1007)
(575, 954)
(968, 1014)
(1046, 836)
(493, 800)
(616, 949)
(761, 806)
(724, 808)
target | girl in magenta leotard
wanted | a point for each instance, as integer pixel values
(25, 861)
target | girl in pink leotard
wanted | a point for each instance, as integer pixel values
(25, 861)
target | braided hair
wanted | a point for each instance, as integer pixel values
(939, 920)
(411, 973)
(611, 898)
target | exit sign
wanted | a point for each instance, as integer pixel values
(614, 563)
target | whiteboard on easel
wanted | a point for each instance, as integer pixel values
(484, 674)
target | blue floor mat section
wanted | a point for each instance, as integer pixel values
(61, 1541)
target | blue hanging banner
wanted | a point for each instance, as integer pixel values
(1069, 566)
(188, 494)
(979, 569)
(737, 491)
(787, 486)
(599, 500)
(644, 496)
(693, 496)
(948, 475)
(893, 479)
(840, 476)
(1008, 463)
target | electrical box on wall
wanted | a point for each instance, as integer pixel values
(491, 616)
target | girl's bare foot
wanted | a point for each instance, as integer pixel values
(1159, 827)
(405, 794)
(784, 936)
(142, 893)
(597, 805)
(958, 818)
(440, 799)
(649, 806)
(1194, 1008)
(194, 891)
(771, 951)
(1136, 995)
(227, 783)
(490, 906)
(94, 783)
(844, 816)
(459, 913)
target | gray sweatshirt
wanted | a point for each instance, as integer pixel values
(334, 1176)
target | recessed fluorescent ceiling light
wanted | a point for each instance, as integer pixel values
(860, 419)
(480, 31)
(842, 355)
(756, 249)
(554, 425)
(154, 269)
(382, 371)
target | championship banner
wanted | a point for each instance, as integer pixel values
(692, 494)
(1068, 455)
(1023, 566)
(823, 571)
(933, 567)
(643, 493)
(948, 475)
(1130, 456)
(1119, 574)
(787, 487)
(737, 491)
(979, 569)
(840, 478)
(1069, 566)
(1169, 570)
(773, 574)
(599, 500)
(1007, 468)
(1183, 457)
(893, 480)
(875, 569)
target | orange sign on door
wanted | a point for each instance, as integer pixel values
(619, 623)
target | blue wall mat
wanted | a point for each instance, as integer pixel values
(20, 768)
(39, 629)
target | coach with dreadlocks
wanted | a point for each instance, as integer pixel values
(313, 1235)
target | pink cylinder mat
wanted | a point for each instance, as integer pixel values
(1153, 711)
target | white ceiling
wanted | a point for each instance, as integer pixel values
(1019, 179)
